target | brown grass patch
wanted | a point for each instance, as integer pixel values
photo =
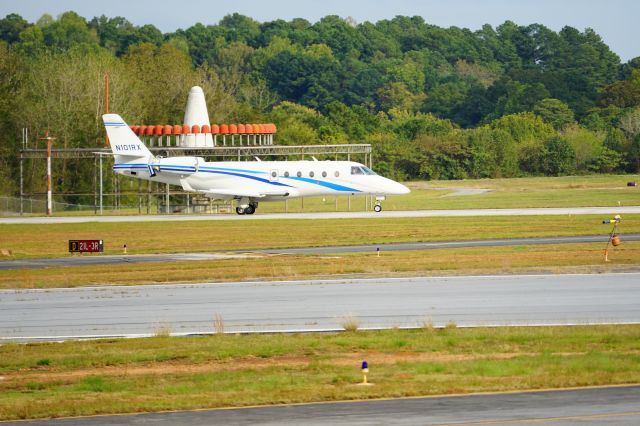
(486, 260)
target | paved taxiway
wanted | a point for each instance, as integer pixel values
(55, 314)
(123, 259)
(329, 215)
(595, 406)
(96, 259)
(449, 244)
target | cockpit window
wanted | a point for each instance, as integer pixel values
(361, 170)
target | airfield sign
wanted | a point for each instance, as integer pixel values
(86, 246)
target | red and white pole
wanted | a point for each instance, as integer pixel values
(49, 140)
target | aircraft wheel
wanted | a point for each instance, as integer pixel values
(250, 209)
(377, 208)
(240, 210)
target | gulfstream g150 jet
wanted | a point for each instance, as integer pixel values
(249, 182)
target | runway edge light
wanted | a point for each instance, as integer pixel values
(365, 371)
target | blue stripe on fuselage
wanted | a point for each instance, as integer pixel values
(219, 172)
(325, 184)
(224, 169)
(232, 172)
(130, 166)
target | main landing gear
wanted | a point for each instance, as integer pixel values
(249, 209)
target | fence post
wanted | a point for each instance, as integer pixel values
(21, 183)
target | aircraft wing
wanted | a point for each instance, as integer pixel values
(232, 193)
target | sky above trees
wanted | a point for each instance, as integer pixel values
(613, 20)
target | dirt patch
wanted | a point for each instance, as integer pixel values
(461, 192)
(46, 374)
(184, 367)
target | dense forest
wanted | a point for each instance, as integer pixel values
(435, 103)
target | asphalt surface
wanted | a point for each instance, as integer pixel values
(449, 244)
(328, 215)
(320, 305)
(596, 406)
(97, 259)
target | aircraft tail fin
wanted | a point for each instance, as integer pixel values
(124, 143)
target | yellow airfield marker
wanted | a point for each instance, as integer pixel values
(614, 236)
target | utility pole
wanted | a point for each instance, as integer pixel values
(106, 87)
(49, 140)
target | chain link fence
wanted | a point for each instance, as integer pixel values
(10, 206)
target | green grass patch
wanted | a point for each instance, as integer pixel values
(36, 241)
(162, 373)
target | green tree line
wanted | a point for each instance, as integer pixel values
(435, 103)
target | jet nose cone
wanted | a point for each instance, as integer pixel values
(401, 189)
(395, 188)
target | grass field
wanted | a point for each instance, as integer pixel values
(34, 241)
(573, 191)
(566, 191)
(162, 373)
(569, 258)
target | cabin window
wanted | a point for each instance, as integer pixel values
(274, 174)
(337, 174)
(299, 174)
(324, 174)
(286, 174)
(311, 174)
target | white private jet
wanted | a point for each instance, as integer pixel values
(249, 182)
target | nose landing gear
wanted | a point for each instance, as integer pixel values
(378, 207)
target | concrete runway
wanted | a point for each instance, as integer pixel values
(596, 406)
(58, 314)
(87, 260)
(328, 215)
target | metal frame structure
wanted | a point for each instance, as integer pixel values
(224, 152)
